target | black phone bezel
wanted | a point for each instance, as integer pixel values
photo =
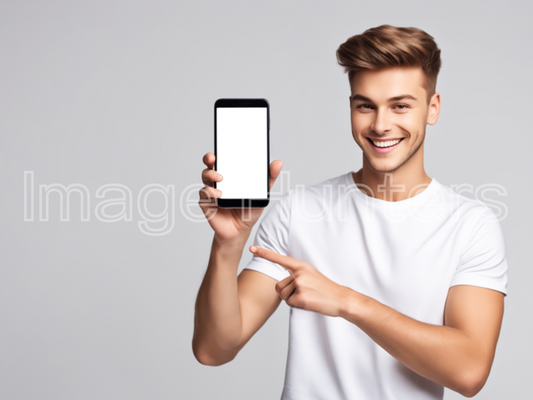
(244, 103)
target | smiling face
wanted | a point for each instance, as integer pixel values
(389, 112)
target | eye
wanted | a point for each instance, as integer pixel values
(364, 106)
(402, 106)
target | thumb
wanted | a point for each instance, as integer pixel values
(275, 169)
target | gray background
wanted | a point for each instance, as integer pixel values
(97, 92)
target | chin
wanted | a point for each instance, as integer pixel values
(381, 166)
(385, 168)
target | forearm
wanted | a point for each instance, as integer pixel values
(217, 322)
(442, 354)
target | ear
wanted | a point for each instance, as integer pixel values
(433, 109)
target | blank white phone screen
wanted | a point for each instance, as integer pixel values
(242, 152)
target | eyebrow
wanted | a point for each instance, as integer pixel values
(395, 98)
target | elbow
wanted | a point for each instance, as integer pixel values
(470, 390)
(471, 383)
(209, 358)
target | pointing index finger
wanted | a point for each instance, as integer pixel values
(291, 264)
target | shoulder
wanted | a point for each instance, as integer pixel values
(468, 210)
(474, 220)
(320, 189)
(307, 200)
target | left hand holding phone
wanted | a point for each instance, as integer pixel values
(228, 223)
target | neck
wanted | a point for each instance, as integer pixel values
(400, 184)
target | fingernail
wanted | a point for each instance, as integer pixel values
(253, 249)
(219, 176)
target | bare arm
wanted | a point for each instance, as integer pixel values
(229, 308)
(457, 355)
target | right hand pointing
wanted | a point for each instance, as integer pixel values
(228, 223)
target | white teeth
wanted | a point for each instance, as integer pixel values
(387, 143)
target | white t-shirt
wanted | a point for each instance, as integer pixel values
(404, 254)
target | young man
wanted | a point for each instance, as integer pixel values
(395, 282)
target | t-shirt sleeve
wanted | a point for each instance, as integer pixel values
(483, 260)
(273, 234)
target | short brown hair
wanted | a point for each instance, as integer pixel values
(389, 46)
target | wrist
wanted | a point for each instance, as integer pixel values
(231, 243)
(224, 248)
(352, 305)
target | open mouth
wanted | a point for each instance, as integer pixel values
(385, 144)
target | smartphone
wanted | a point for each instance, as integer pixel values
(242, 157)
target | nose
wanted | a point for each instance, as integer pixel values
(382, 123)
